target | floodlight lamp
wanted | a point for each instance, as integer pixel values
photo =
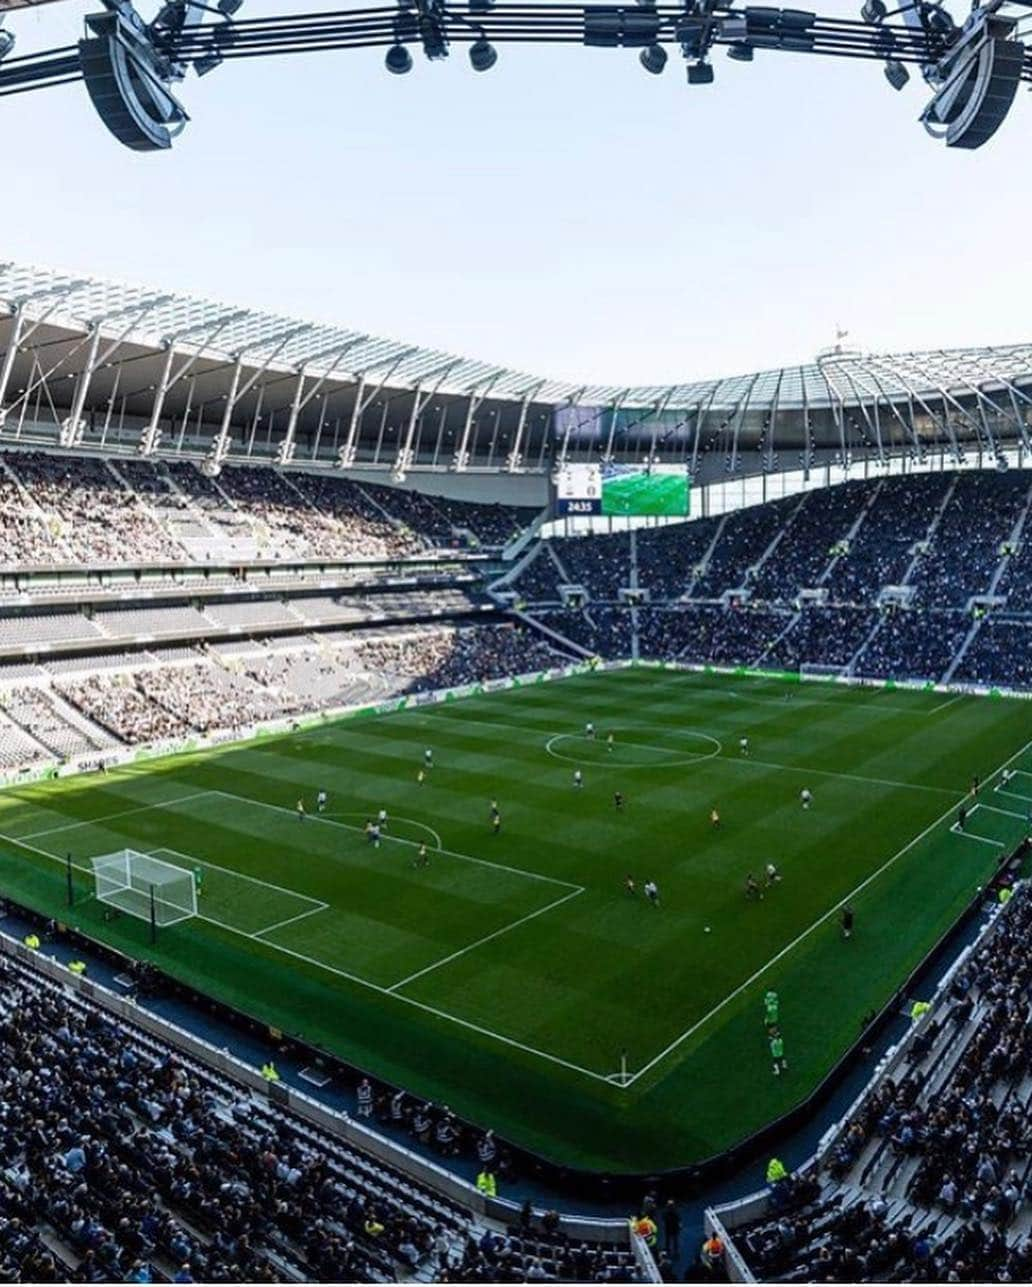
(700, 74)
(229, 7)
(398, 60)
(7, 43)
(480, 7)
(207, 64)
(653, 58)
(895, 73)
(740, 52)
(482, 55)
(939, 21)
(873, 11)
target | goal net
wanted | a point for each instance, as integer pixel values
(135, 883)
(815, 670)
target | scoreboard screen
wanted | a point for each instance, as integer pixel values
(624, 490)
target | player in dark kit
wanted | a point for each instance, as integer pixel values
(618, 801)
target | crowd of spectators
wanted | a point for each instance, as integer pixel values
(669, 557)
(117, 705)
(88, 516)
(71, 509)
(32, 708)
(539, 579)
(125, 1163)
(1001, 653)
(1016, 582)
(930, 1177)
(822, 636)
(819, 525)
(207, 696)
(743, 539)
(444, 522)
(601, 630)
(451, 658)
(911, 643)
(188, 692)
(966, 545)
(935, 540)
(601, 564)
(122, 1159)
(901, 512)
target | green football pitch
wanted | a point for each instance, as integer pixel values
(513, 977)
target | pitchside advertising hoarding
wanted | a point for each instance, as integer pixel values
(623, 490)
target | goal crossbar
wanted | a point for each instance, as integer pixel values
(145, 887)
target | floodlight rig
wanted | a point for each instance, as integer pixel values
(130, 66)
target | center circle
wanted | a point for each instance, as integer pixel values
(679, 758)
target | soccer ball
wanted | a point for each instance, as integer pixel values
(707, 930)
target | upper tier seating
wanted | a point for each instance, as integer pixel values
(57, 509)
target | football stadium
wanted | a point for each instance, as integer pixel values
(515, 642)
(460, 825)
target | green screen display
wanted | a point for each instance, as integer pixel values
(628, 490)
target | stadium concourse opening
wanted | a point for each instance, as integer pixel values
(512, 966)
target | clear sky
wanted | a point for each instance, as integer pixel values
(565, 213)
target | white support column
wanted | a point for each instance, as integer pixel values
(285, 454)
(150, 437)
(220, 446)
(404, 456)
(220, 443)
(17, 329)
(560, 459)
(346, 455)
(71, 427)
(23, 332)
(419, 404)
(460, 461)
(613, 413)
(657, 411)
(299, 402)
(515, 457)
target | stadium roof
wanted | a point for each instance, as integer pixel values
(156, 320)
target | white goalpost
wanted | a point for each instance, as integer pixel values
(817, 670)
(145, 887)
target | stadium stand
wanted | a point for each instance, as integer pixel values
(116, 700)
(926, 1178)
(923, 578)
(128, 1157)
(890, 569)
(820, 521)
(65, 509)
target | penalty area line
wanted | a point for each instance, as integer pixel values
(110, 817)
(357, 979)
(505, 929)
(821, 920)
(398, 840)
(848, 777)
(290, 920)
